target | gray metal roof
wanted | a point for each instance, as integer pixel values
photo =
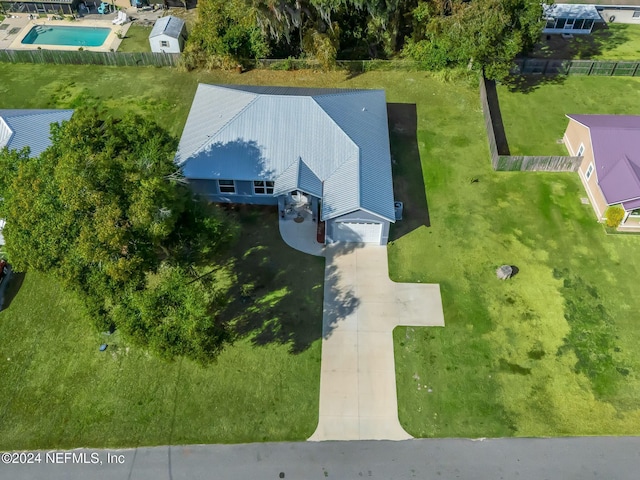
(576, 11)
(300, 138)
(298, 176)
(169, 25)
(29, 128)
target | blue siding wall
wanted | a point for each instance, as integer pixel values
(244, 193)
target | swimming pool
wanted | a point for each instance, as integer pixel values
(68, 36)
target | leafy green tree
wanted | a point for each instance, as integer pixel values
(102, 209)
(173, 316)
(485, 35)
(225, 34)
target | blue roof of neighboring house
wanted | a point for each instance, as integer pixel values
(330, 143)
(169, 25)
(29, 128)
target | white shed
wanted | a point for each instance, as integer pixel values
(168, 35)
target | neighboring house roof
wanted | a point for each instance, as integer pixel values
(576, 11)
(29, 128)
(331, 143)
(169, 25)
(615, 140)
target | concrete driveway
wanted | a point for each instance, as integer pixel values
(362, 306)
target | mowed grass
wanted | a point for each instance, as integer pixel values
(58, 390)
(626, 45)
(552, 351)
(520, 357)
(535, 121)
(136, 39)
(613, 41)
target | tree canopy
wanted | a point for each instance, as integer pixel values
(481, 34)
(103, 209)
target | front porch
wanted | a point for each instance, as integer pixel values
(298, 221)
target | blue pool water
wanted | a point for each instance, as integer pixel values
(68, 36)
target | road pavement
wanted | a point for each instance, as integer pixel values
(606, 458)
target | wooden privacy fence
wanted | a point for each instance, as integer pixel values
(543, 66)
(499, 148)
(359, 66)
(83, 57)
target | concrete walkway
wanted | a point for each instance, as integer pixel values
(362, 306)
(301, 236)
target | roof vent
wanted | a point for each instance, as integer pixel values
(364, 109)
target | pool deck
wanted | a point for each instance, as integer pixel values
(12, 41)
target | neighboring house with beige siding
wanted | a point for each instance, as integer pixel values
(610, 169)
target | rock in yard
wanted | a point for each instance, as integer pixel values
(504, 272)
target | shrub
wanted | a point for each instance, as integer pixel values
(614, 216)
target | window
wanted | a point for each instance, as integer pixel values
(551, 22)
(589, 171)
(588, 24)
(580, 150)
(560, 22)
(227, 186)
(636, 14)
(164, 43)
(578, 24)
(261, 187)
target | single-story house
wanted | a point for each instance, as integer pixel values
(570, 18)
(168, 35)
(610, 169)
(327, 148)
(620, 13)
(66, 7)
(28, 128)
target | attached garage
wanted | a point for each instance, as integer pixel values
(357, 232)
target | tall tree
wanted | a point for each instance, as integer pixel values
(225, 34)
(483, 34)
(103, 208)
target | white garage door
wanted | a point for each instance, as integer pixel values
(357, 232)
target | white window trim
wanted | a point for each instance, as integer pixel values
(266, 187)
(235, 189)
(580, 150)
(589, 171)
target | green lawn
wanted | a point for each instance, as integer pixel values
(59, 391)
(614, 41)
(550, 352)
(136, 40)
(535, 121)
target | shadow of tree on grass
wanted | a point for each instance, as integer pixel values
(276, 294)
